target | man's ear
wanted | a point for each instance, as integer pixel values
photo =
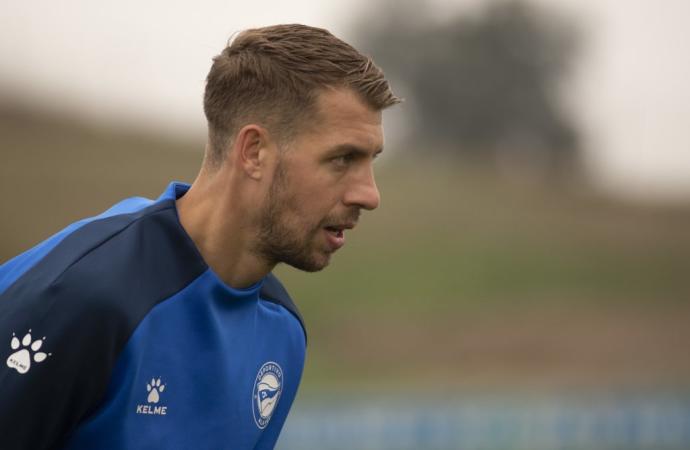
(251, 149)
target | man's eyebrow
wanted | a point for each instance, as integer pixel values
(352, 148)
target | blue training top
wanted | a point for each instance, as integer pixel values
(115, 334)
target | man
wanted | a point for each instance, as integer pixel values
(158, 324)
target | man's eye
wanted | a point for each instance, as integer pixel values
(343, 160)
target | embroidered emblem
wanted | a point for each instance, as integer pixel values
(154, 388)
(267, 389)
(21, 358)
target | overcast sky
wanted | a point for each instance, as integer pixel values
(144, 63)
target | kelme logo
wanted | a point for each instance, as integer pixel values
(21, 359)
(154, 388)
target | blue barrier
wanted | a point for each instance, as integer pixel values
(476, 422)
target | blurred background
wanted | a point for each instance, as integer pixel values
(526, 281)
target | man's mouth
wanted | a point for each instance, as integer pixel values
(339, 229)
(336, 231)
(336, 234)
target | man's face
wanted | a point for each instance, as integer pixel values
(321, 183)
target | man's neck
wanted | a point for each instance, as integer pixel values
(212, 219)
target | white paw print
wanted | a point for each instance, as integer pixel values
(21, 359)
(153, 389)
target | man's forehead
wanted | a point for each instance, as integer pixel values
(343, 103)
(345, 119)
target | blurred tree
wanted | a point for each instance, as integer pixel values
(485, 86)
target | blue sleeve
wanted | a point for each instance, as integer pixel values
(56, 364)
(57, 344)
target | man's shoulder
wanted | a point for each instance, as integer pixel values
(16, 267)
(273, 291)
(70, 305)
(117, 266)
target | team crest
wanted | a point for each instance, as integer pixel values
(267, 389)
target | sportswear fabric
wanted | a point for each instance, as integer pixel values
(115, 334)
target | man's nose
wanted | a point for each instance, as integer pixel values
(364, 192)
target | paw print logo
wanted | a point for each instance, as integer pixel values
(21, 358)
(154, 388)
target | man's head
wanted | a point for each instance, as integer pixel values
(273, 76)
(299, 112)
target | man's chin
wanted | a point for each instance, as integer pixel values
(313, 264)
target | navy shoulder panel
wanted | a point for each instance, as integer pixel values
(273, 291)
(132, 259)
(83, 300)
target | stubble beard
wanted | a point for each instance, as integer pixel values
(278, 242)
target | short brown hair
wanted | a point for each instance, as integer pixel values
(272, 75)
